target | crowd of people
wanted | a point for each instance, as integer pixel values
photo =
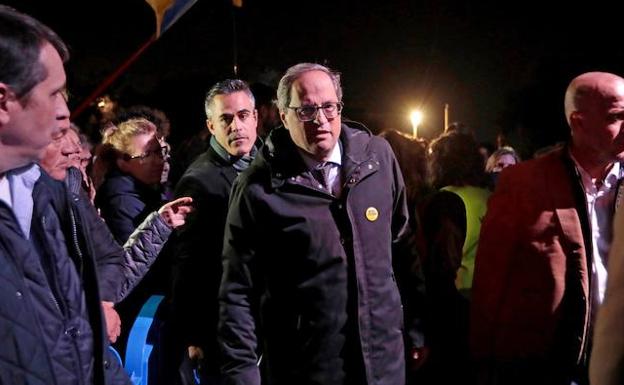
(296, 247)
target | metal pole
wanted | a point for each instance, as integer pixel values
(234, 39)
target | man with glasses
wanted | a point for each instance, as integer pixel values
(231, 118)
(308, 276)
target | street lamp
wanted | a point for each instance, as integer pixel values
(416, 118)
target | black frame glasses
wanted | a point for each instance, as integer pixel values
(309, 112)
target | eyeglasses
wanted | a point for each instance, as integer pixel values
(162, 153)
(310, 112)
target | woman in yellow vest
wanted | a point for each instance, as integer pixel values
(451, 224)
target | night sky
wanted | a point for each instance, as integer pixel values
(500, 65)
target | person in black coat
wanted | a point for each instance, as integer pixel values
(308, 278)
(50, 315)
(231, 120)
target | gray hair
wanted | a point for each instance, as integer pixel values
(226, 87)
(294, 72)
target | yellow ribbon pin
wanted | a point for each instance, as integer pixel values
(372, 214)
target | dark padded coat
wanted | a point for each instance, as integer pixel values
(24, 357)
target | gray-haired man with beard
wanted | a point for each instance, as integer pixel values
(231, 118)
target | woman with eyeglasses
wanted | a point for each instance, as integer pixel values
(132, 161)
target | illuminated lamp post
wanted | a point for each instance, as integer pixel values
(416, 118)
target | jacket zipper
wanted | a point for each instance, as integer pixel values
(76, 244)
(74, 233)
(55, 302)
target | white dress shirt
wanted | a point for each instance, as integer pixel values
(335, 160)
(600, 197)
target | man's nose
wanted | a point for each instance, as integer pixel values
(71, 149)
(320, 117)
(236, 124)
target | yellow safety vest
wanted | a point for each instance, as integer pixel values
(475, 201)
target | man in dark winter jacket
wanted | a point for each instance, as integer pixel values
(231, 118)
(307, 258)
(50, 315)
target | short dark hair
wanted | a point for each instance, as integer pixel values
(21, 40)
(226, 87)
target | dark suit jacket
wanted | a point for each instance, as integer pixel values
(198, 247)
(531, 288)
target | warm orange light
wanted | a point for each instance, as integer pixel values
(416, 118)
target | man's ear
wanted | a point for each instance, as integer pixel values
(255, 116)
(283, 118)
(210, 126)
(576, 121)
(6, 98)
